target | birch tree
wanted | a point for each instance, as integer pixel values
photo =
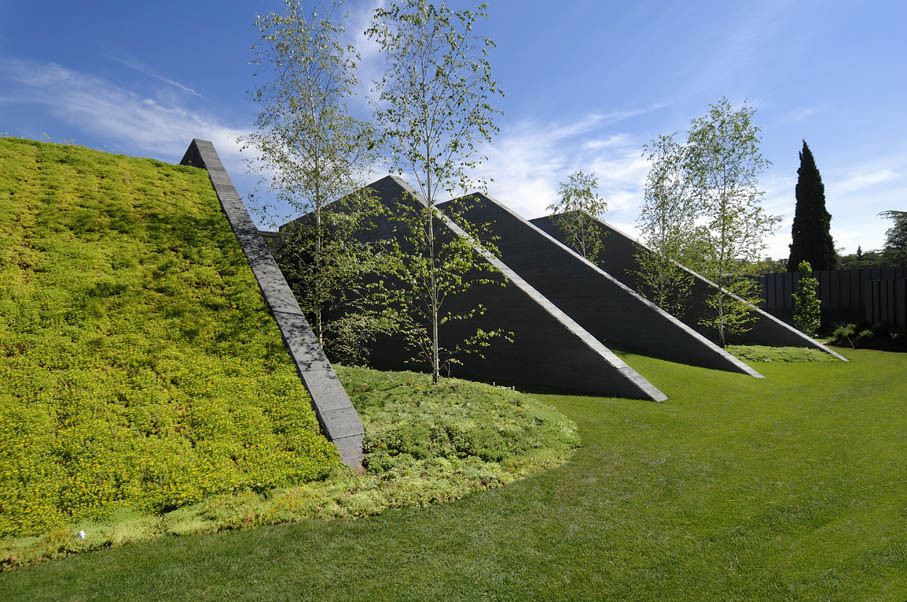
(722, 168)
(667, 224)
(434, 109)
(310, 149)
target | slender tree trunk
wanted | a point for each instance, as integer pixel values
(319, 268)
(722, 281)
(662, 293)
(721, 317)
(435, 363)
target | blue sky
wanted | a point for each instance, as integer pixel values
(586, 83)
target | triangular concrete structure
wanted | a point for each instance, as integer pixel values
(549, 349)
(620, 261)
(606, 308)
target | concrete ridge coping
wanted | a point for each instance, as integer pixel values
(731, 359)
(812, 342)
(333, 408)
(647, 388)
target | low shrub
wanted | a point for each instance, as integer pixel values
(870, 336)
(807, 305)
(864, 337)
(844, 334)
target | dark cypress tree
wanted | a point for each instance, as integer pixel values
(812, 240)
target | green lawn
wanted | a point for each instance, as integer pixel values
(788, 488)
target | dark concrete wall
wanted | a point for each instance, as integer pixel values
(549, 349)
(609, 310)
(620, 262)
(338, 418)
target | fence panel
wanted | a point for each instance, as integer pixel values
(901, 302)
(875, 295)
(834, 288)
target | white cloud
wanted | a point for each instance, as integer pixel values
(149, 73)
(797, 115)
(110, 112)
(854, 197)
(371, 62)
(528, 160)
(359, 20)
(607, 142)
(859, 181)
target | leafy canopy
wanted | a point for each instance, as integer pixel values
(312, 151)
(896, 237)
(434, 97)
(307, 143)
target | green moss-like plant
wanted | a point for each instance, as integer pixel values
(139, 366)
(762, 353)
(425, 444)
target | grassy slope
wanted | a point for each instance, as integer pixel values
(791, 487)
(138, 363)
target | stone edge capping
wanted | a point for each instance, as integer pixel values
(648, 390)
(336, 414)
(733, 364)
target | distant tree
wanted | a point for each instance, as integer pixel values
(862, 260)
(807, 305)
(811, 236)
(667, 223)
(771, 266)
(308, 146)
(722, 166)
(576, 213)
(434, 109)
(895, 251)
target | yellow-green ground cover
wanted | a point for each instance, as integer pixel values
(425, 444)
(761, 353)
(139, 366)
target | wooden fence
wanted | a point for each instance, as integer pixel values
(871, 295)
